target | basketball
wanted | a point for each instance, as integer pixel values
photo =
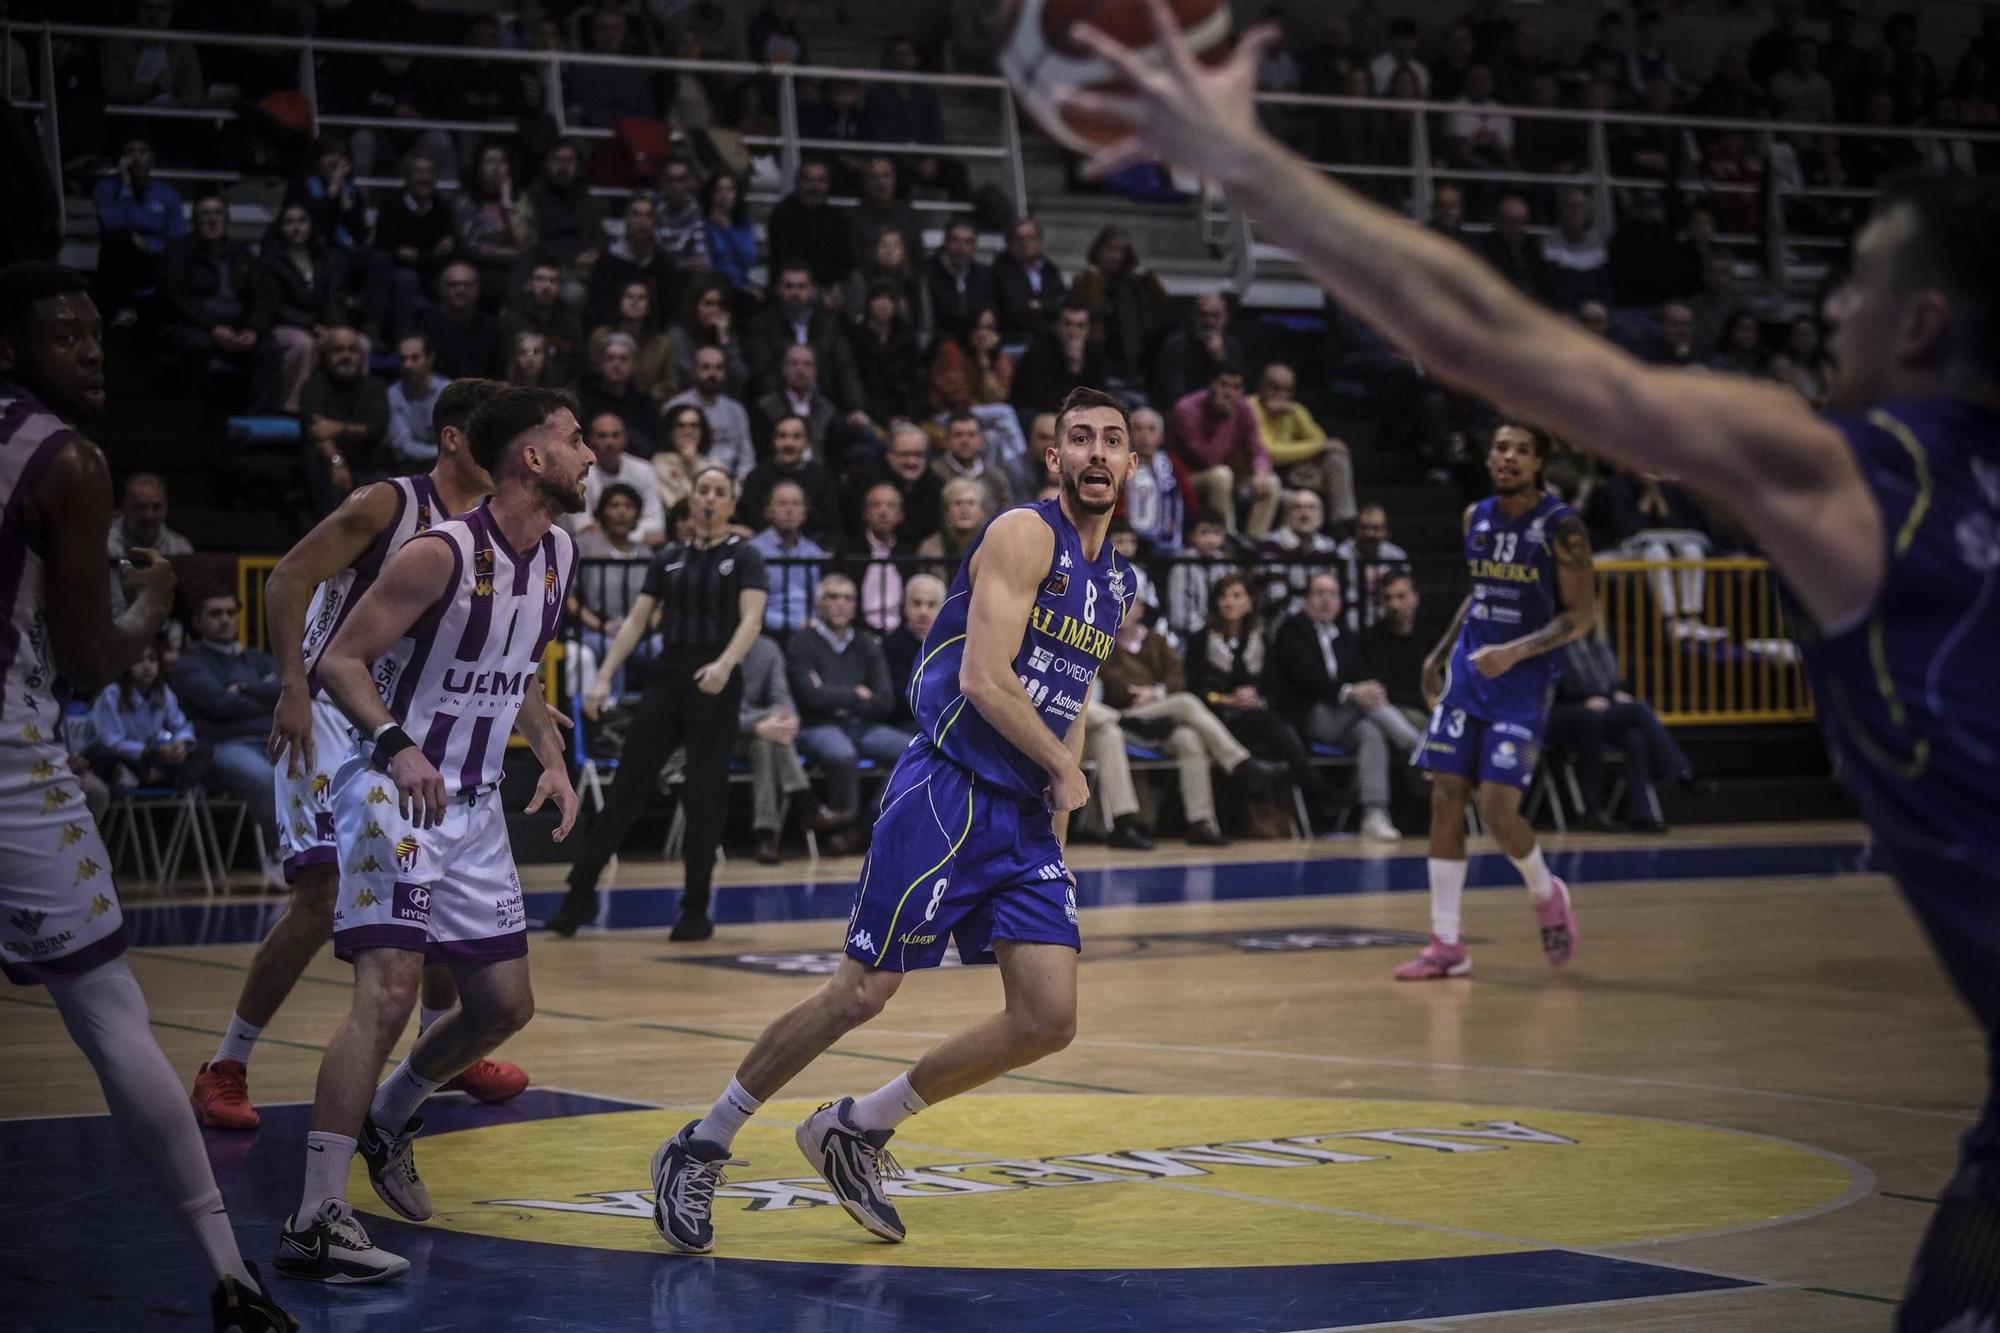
(1041, 60)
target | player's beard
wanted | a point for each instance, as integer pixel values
(1072, 486)
(570, 499)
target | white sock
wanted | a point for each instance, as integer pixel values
(209, 1220)
(327, 1158)
(238, 1041)
(399, 1097)
(1447, 892)
(731, 1109)
(889, 1105)
(427, 1016)
(1535, 873)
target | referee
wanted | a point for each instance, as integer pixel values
(710, 594)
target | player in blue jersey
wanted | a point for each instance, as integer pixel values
(1883, 518)
(968, 846)
(1489, 682)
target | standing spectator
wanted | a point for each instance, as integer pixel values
(793, 559)
(465, 340)
(653, 367)
(1594, 708)
(1319, 683)
(136, 218)
(416, 236)
(767, 727)
(805, 229)
(965, 456)
(731, 240)
(965, 514)
(1576, 263)
(612, 388)
(206, 280)
(147, 71)
(1306, 457)
(1393, 650)
(879, 207)
(1055, 363)
(634, 257)
(798, 396)
(887, 359)
(1370, 558)
(1400, 58)
(730, 445)
(616, 466)
(872, 561)
(959, 286)
(841, 680)
(1217, 437)
(905, 464)
(344, 417)
(901, 112)
(528, 361)
(1126, 302)
(601, 95)
(788, 462)
(496, 226)
(140, 737)
(705, 321)
(569, 222)
(679, 227)
(1298, 551)
(923, 596)
(229, 692)
(1158, 496)
(1189, 357)
(798, 317)
(412, 440)
(1028, 288)
(538, 307)
(886, 262)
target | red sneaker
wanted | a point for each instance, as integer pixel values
(221, 1096)
(489, 1081)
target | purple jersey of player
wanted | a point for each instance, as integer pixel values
(1512, 563)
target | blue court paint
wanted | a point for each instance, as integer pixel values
(828, 898)
(89, 1246)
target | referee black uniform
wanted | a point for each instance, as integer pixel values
(696, 591)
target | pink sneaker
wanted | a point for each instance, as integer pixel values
(1558, 924)
(1437, 962)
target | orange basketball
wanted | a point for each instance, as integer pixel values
(1041, 61)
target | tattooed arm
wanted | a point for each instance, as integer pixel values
(1576, 580)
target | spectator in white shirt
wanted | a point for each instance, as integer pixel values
(1401, 55)
(605, 433)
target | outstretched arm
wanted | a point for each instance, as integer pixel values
(1753, 448)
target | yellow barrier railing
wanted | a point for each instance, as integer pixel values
(1703, 641)
(254, 571)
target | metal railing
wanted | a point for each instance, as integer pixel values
(1704, 641)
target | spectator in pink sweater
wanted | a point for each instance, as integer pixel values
(1217, 437)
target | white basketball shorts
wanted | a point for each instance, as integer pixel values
(305, 803)
(59, 914)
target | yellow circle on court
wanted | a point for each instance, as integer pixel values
(1156, 1182)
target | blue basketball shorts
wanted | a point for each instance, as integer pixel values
(955, 858)
(1479, 749)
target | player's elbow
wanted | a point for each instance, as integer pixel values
(979, 685)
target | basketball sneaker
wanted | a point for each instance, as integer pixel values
(1437, 962)
(392, 1168)
(489, 1081)
(686, 1171)
(221, 1096)
(333, 1248)
(853, 1162)
(1558, 924)
(241, 1309)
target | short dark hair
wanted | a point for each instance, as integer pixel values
(1957, 218)
(458, 400)
(1224, 367)
(508, 415)
(961, 414)
(617, 490)
(419, 335)
(795, 266)
(28, 282)
(1083, 397)
(1536, 435)
(1207, 518)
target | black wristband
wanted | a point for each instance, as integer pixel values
(390, 742)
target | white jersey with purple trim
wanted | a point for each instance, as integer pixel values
(418, 509)
(455, 681)
(30, 437)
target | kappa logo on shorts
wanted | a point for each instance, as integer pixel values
(72, 834)
(366, 898)
(376, 796)
(407, 848)
(32, 734)
(300, 831)
(321, 785)
(863, 941)
(482, 572)
(374, 830)
(43, 771)
(99, 905)
(369, 866)
(298, 802)
(54, 799)
(28, 921)
(86, 869)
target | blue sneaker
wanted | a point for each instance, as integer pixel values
(686, 1171)
(853, 1162)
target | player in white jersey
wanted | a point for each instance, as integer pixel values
(431, 668)
(59, 920)
(331, 568)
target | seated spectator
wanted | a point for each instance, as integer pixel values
(729, 445)
(1394, 652)
(1127, 304)
(881, 206)
(1319, 682)
(1369, 137)
(1650, 261)
(1577, 265)
(805, 229)
(142, 523)
(906, 465)
(1594, 709)
(1649, 60)
(139, 735)
(898, 112)
(538, 307)
(872, 561)
(1299, 551)
(798, 396)
(923, 596)
(1451, 71)
(887, 359)
(614, 465)
(1217, 438)
(731, 240)
(1055, 363)
(679, 227)
(1799, 92)
(412, 440)
(706, 321)
(613, 388)
(1401, 57)
(888, 265)
(1188, 358)
(965, 513)
(1804, 364)
(465, 340)
(789, 462)
(792, 559)
(841, 680)
(205, 278)
(1448, 213)
(487, 90)
(634, 257)
(137, 216)
(684, 427)
(339, 213)
(1028, 288)
(569, 222)
(344, 417)
(229, 692)
(496, 227)
(1145, 592)
(798, 317)
(836, 114)
(1634, 516)
(1227, 668)
(1194, 574)
(417, 236)
(528, 361)
(1720, 297)
(1305, 457)
(1479, 136)
(1158, 496)
(1144, 682)
(1370, 557)
(965, 456)
(603, 94)
(1674, 344)
(767, 727)
(653, 366)
(1116, 794)
(970, 369)
(296, 294)
(602, 592)
(1511, 250)
(136, 69)
(1548, 147)
(959, 286)
(1741, 350)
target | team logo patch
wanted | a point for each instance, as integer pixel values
(99, 905)
(726, 566)
(549, 585)
(1115, 580)
(423, 515)
(28, 922)
(406, 851)
(43, 770)
(482, 572)
(320, 786)
(1057, 585)
(1505, 755)
(376, 796)
(72, 834)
